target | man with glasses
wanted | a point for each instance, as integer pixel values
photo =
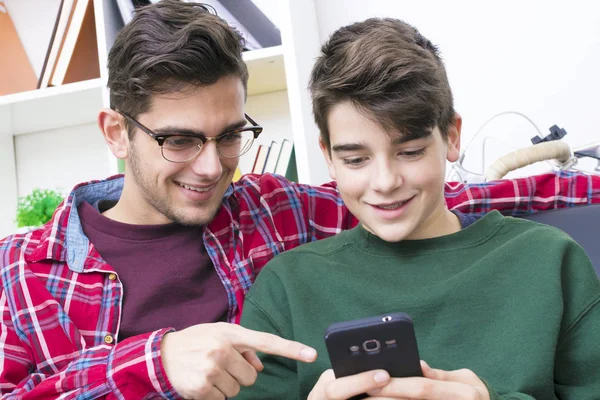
(134, 289)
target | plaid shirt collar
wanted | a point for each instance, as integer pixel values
(63, 238)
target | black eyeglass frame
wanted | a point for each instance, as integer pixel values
(160, 139)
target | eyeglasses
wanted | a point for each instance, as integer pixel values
(182, 147)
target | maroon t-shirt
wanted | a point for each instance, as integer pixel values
(168, 278)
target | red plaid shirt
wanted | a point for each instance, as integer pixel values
(61, 302)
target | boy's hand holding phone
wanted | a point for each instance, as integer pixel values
(330, 388)
(435, 384)
(379, 357)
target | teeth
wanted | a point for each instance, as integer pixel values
(393, 206)
(195, 189)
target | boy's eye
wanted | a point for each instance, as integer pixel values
(354, 161)
(413, 153)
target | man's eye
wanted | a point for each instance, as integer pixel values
(181, 141)
(229, 138)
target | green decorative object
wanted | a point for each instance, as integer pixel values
(37, 208)
(121, 166)
(292, 169)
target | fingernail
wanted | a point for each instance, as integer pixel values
(308, 354)
(425, 364)
(381, 377)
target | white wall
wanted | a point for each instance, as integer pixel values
(61, 158)
(8, 179)
(271, 111)
(300, 38)
(539, 57)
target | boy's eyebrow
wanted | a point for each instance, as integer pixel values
(348, 147)
(174, 130)
(410, 136)
(398, 140)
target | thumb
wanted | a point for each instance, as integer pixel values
(461, 375)
(428, 372)
(436, 374)
(253, 360)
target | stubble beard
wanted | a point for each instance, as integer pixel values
(164, 205)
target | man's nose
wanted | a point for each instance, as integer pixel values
(208, 162)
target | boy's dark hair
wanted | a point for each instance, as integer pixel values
(388, 71)
(167, 46)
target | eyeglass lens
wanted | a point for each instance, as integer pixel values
(184, 148)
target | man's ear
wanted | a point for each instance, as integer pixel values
(114, 132)
(327, 155)
(453, 138)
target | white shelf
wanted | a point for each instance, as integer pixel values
(261, 54)
(79, 102)
(38, 94)
(54, 107)
(266, 70)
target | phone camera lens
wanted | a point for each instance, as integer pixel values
(371, 346)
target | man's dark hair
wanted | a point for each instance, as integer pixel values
(168, 46)
(389, 72)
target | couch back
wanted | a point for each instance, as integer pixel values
(582, 223)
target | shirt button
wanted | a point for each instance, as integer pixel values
(112, 277)
(108, 339)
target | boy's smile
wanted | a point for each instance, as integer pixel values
(393, 184)
(392, 210)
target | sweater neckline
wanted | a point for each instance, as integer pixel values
(478, 232)
(93, 219)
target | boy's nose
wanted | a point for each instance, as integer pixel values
(385, 179)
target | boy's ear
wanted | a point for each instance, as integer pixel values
(453, 139)
(327, 156)
(114, 132)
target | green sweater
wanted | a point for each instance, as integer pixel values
(514, 301)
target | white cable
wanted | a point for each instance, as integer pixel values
(490, 120)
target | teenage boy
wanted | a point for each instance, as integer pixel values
(503, 308)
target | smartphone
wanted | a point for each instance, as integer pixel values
(385, 342)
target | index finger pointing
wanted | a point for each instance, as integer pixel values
(246, 339)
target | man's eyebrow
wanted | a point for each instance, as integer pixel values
(175, 130)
